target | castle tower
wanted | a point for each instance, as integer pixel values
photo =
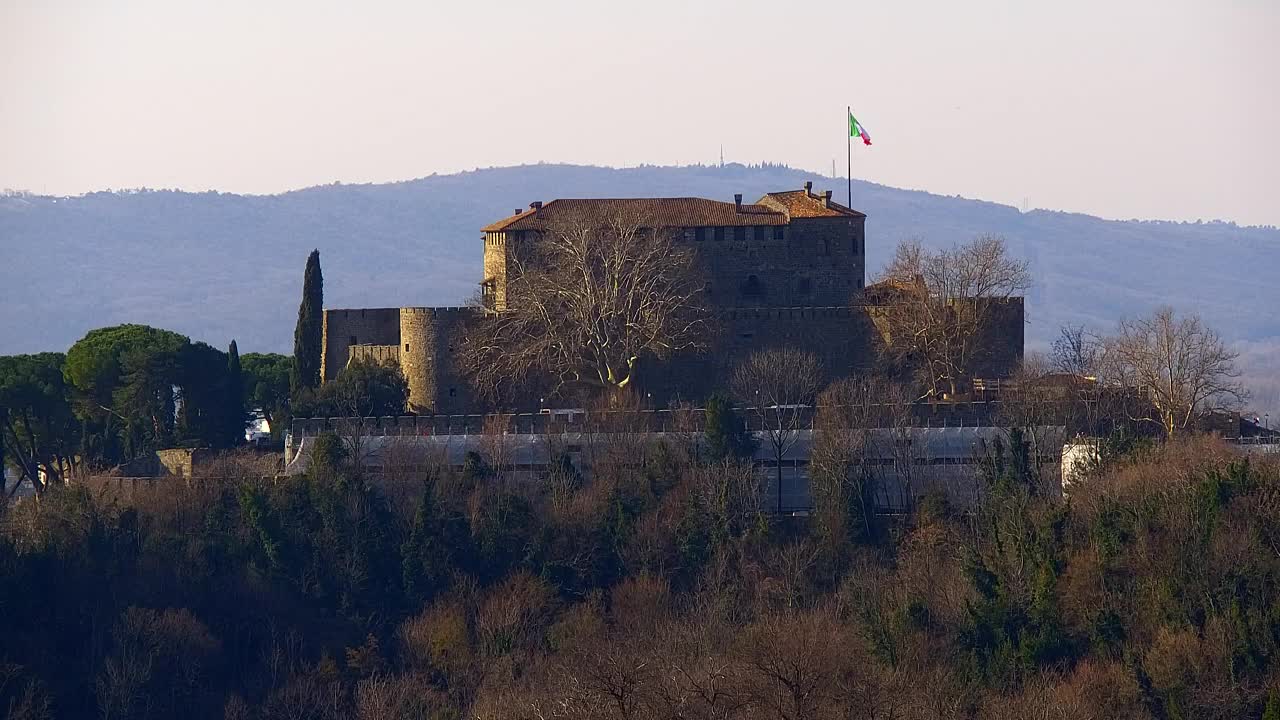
(494, 285)
(418, 356)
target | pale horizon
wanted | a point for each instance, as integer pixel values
(1121, 110)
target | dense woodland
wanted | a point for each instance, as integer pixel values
(657, 590)
(123, 392)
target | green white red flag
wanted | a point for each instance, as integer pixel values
(857, 130)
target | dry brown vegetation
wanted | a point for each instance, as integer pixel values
(657, 589)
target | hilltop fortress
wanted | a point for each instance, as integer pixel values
(787, 270)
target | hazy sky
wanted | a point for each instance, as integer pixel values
(1122, 108)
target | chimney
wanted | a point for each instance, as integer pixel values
(516, 212)
(737, 200)
(826, 198)
(536, 205)
(808, 188)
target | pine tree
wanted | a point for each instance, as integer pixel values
(308, 334)
(235, 396)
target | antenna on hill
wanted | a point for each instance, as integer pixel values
(833, 168)
(722, 155)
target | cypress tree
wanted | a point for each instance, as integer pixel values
(308, 334)
(235, 396)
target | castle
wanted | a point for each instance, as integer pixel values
(787, 270)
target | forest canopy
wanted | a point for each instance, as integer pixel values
(658, 587)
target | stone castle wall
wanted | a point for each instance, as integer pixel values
(422, 341)
(818, 262)
(430, 340)
(843, 339)
(796, 285)
(375, 354)
(1001, 343)
(495, 267)
(344, 328)
(425, 344)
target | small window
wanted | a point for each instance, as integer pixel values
(406, 347)
(740, 234)
(453, 392)
(761, 233)
(746, 335)
(719, 233)
(777, 233)
(699, 234)
(826, 246)
(353, 340)
(804, 286)
(752, 286)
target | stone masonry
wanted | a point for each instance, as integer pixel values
(788, 270)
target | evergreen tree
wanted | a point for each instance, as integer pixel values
(266, 387)
(726, 436)
(235, 396)
(308, 336)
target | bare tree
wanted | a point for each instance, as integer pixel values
(780, 386)
(587, 301)
(839, 476)
(1076, 351)
(793, 661)
(944, 303)
(1079, 353)
(1181, 366)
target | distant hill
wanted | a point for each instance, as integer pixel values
(217, 266)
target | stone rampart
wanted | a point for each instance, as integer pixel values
(345, 328)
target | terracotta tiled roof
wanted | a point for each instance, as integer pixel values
(662, 212)
(800, 204)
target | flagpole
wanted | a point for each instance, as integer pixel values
(848, 146)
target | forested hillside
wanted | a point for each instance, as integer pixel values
(655, 589)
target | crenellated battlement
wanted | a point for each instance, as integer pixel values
(788, 313)
(437, 311)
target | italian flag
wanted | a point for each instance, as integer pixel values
(857, 130)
